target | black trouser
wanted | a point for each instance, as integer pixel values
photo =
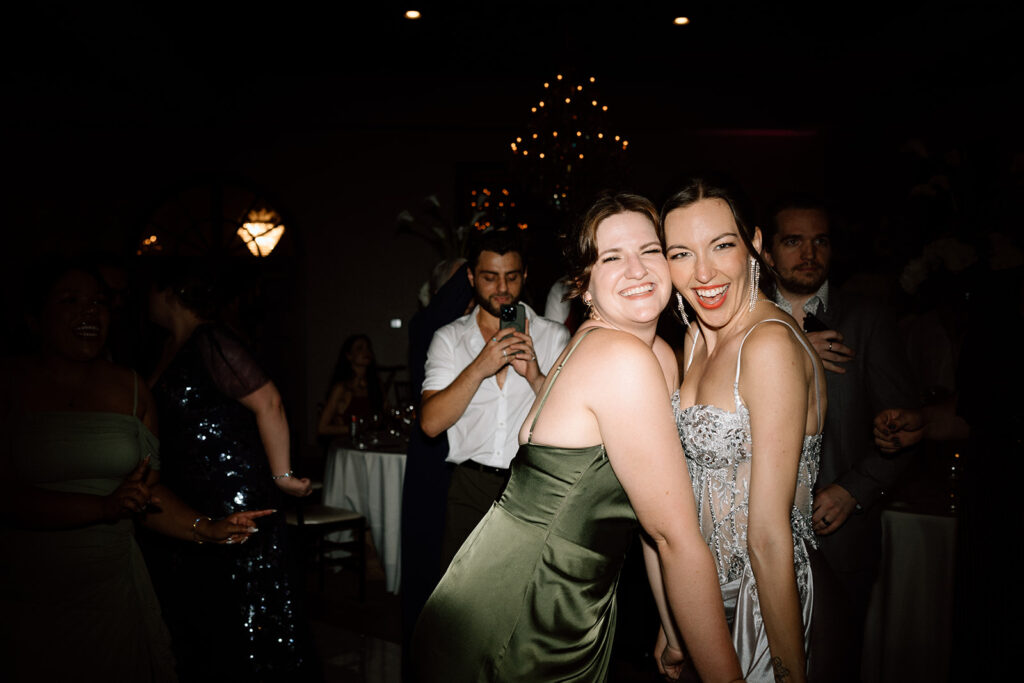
(470, 495)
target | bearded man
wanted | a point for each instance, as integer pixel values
(867, 372)
(470, 391)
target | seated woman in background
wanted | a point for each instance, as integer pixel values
(355, 388)
(79, 462)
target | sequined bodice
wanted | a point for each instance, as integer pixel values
(717, 445)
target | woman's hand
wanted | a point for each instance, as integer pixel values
(670, 663)
(669, 659)
(523, 357)
(133, 495)
(299, 487)
(235, 528)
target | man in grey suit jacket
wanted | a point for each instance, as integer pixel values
(866, 372)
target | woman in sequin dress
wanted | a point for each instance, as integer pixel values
(750, 413)
(225, 447)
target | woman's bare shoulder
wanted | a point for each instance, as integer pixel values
(609, 364)
(772, 352)
(612, 347)
(770, 337)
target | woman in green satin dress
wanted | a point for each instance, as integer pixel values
(531, 594)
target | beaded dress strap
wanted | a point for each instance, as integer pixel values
(554, 378)
(807, 348)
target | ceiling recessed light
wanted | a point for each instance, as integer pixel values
(412, 14)
(681, 21)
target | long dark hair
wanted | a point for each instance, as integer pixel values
(200, 284)
(742, 210)
(343, 372)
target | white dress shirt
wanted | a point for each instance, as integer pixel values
(488, 431)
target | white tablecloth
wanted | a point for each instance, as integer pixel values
(909, 622)
(370, 482)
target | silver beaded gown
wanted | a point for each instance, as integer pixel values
(717, 445)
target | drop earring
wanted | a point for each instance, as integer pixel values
(755, 277)
(682, 309)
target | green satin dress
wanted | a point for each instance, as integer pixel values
(531, 594)
(77, 604)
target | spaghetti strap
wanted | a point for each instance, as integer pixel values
(135, 394)
(807, 348)
(554, 378)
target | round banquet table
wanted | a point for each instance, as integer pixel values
(370, 482)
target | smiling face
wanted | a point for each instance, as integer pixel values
(497, 280)
(629, 282)
(708, 260)
(74, 319)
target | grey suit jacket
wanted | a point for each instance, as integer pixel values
(878, 377)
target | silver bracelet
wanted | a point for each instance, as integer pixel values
(287, 475)
(195, 528)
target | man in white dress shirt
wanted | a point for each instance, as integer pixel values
(481, 381)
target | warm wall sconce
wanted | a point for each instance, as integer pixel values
(261, 232)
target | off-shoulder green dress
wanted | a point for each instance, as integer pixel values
(531, 594)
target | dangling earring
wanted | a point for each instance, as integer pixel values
(755, 277)
(682, 309)
(591, 313)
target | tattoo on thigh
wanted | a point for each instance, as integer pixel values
(781, 672)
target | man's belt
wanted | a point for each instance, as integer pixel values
(473, 465)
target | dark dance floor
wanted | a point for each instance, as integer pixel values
(356, 641)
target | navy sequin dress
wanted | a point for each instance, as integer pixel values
(232, 609)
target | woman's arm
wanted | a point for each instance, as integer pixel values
(273, 428)
(774, 386)
(171, 516)
(668, 651)
(643, 446)
(337, 404)
(31, 507)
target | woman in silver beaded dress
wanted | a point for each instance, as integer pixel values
(750, 412)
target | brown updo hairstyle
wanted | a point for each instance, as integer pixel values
(581, 249)
(696, 189)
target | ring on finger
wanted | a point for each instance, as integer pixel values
(504, 353)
